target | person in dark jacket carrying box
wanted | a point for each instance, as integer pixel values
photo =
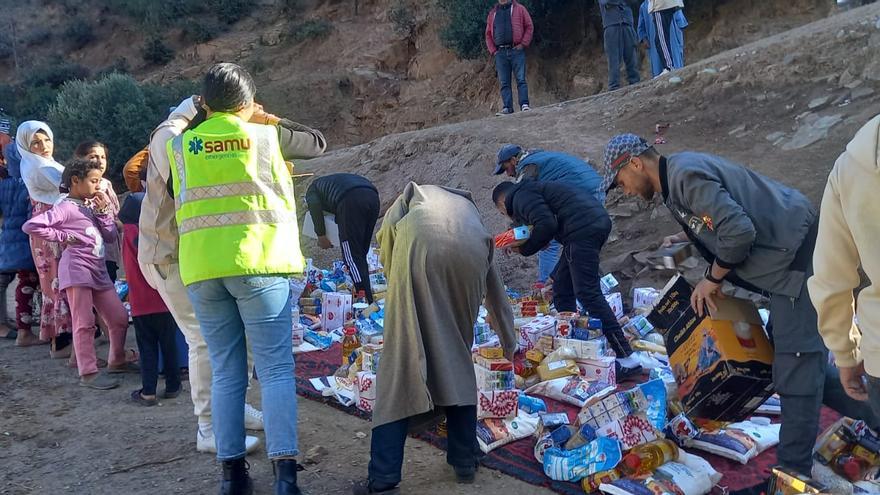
(355, 202)
(580, 223)
(759, 235)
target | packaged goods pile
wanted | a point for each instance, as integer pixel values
(703, 393)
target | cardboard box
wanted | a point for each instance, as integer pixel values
(335, 310)
(608, 283)
(494, 380)
(534, 330)
(615, 300)
(723, 362)
(638, 327)
(492, 352)
(644, 297)
(783, 482)
(585, 349)
(598, 370)
(493, 364)
(676, 254)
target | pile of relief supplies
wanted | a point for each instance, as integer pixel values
(708, 390)
(707, 387)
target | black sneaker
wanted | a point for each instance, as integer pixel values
(623, 373)
(465, 475)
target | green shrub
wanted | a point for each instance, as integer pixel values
(35, 36)
(311, 29)
(155, 51)
(114, 110)
(232, 11)
(79, 33)
(466, 26)
(54, 73)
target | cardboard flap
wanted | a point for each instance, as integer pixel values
(733, 309)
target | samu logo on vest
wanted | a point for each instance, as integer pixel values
(196, 145)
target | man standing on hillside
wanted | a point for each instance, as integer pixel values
(759, 235)
(647, 31)
(620, 41)
(545, 166)
(849, 238)
(509, 32)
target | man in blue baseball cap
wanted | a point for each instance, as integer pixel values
(758, 234)
(546, 166)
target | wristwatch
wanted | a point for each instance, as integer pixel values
(708, 276)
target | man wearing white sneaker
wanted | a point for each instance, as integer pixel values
(509, 31)
(157, 255)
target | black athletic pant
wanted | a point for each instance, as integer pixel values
(663, 20)
(154, 332)
(356, 216)
(576, 278)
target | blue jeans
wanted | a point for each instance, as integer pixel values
(508, 60)
(233, 311)
(620, 47)
(547, 260)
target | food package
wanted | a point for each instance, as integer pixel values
(493, 364)
(335, 310)
(491, 352)
(366, 405)
(644, 297)
(493, 433)
(534, 330)
(550, 370)
(365, 385)
(543, 445)
(497, 404)
(318, 340)
(648, 398)
(371, 355)
(615, 300)
(608, 283)
(531, 405)
(545, 345)
(549, 422)
(730, 444)
(482, 333)
(494, 380)
(681, 429)
(633, 417)
(598, 370)
(672, 477)
(638, 327)
(575, 390)
(601, 454)
(697, 463)
(762, 432)
(584, 349)
(512, 236)
(565, 322)
(722, 362)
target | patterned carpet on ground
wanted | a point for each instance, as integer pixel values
(517, 459)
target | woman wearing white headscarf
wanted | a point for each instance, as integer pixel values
(42, 176)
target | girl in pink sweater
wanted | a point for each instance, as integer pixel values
(83, 223)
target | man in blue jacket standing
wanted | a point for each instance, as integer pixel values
(647, 31)
(545, 166)
(620, 41)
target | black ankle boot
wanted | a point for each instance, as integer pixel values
(236, 480)
(285, 477)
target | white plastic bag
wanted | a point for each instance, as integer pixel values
(493, 433)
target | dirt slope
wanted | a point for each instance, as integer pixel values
(366, 79)
(785, 106)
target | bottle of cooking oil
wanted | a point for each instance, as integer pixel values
(350, 343)
(644, 459)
